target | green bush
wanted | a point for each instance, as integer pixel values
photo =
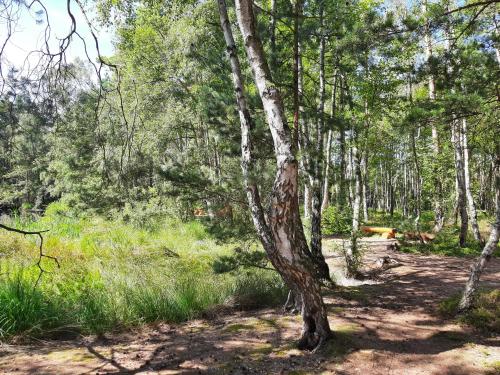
(336, 221)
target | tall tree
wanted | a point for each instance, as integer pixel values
(286, 246)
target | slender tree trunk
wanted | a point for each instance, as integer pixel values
(357, 190)
(438, 188)
(326, 178)
(272, 33)
(460, 181)
(364, 160)
(329, 139)
(418, 188)
(457, 146)
(351, 251)
(317, 159)
(489, 248)
(291, 257)
(342, 198)
(297, 67)
(468, 191)
(307, 199)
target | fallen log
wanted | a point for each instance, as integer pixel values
(385, 232)
(423, 237)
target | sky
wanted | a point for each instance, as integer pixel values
(28, 34)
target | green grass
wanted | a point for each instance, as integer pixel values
(114, 275)
(484, 315)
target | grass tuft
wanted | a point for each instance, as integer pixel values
(484, 315)
(115, 275)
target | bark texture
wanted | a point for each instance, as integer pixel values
(288, 252)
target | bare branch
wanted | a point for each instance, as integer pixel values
(41, 254)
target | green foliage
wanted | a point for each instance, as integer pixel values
(116, 275)
(336, 221)
(484, 315)
(244, 258)
(446, 243)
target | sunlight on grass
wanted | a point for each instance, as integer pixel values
(115, 275)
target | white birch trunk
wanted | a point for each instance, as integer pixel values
(468, 190)
(292, 258)
(473, 281)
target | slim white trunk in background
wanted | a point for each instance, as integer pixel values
(328, 147)
(357, 190)
(473, 281)
(307, 199)
(365, 186)
(468, 191)
(326, 180)
(351, 251)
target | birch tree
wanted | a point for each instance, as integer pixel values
(282, 235)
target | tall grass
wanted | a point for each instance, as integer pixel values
(114, 275)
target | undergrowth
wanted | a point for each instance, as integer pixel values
(114, 275)
(446, 242)
(484, 315)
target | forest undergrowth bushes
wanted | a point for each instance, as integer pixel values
(485, 314)
(115, 275)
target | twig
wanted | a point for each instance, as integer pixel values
(41, 254)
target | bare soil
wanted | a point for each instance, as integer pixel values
(391, 327)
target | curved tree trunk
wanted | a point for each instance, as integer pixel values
(491, 245)
(288, 250)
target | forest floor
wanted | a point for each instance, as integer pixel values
(388, 327)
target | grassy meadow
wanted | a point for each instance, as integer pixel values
(114, 275)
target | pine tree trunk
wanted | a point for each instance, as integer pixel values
(468, 191)
(291, 257)
(438, 192)
(460, 181)
(317, 159)
(489, 248)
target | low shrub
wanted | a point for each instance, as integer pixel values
(484, 315)
(336, 221)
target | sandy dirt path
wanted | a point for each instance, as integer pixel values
(387, 328)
